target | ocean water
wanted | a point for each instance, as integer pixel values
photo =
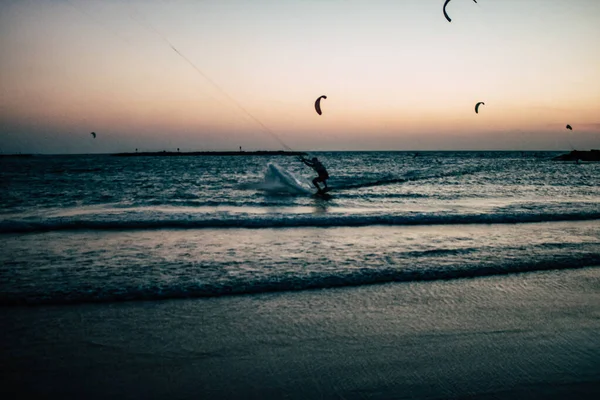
(98, 228)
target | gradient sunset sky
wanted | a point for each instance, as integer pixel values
(397, 75)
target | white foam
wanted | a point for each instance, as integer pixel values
(280, 180)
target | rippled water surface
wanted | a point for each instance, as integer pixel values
(104, 228)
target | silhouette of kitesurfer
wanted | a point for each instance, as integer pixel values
(319, 169)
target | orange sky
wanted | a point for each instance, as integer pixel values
(398, 76)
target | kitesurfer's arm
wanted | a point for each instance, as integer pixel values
(305, 161)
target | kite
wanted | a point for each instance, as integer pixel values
(318, 104)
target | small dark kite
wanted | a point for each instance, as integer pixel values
(318, 104)
(477, 106)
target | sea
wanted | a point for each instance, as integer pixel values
(100, 228)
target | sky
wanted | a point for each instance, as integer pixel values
(219, 74)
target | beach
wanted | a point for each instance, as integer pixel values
(531, 335)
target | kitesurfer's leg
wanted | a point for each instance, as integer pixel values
(323, 178)
(314, 181)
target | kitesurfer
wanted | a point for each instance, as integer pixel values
(319, 169)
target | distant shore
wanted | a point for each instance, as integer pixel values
(211, 153)
(16, 155)
(577, 155)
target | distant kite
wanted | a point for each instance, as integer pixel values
(569, 127)
(318, 104)
(93, 134)
(445, 13)
(477, 106)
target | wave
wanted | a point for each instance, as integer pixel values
(136, 221)
(238, 286)
(411, 176)
(279, 180)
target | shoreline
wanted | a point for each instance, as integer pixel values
(404, 254)
(517, 336)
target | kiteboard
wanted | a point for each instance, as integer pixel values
(323, 192)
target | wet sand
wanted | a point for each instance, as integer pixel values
(533, 335)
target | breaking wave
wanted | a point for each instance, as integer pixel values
(137, 221)
(241, 286)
